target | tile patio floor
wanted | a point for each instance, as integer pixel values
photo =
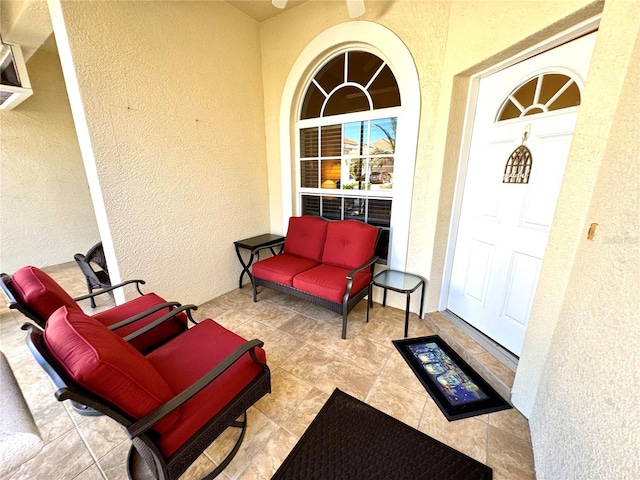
(307, 360)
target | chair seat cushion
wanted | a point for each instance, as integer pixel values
(330, 282)
(102, 362)
(188, 357)
(281, 268)
(154, 337)
(349, 243)
(40, 292)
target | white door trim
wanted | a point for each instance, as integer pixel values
(571, 34)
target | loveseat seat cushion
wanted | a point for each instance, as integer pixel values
(349, 243)
(330, 282)
(103, 363)
(40, 292)
(183, 361)
(306, 237)
(157, 335)
(281, 268)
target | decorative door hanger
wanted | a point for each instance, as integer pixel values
(518, 167)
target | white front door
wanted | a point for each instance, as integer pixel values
(504, 227)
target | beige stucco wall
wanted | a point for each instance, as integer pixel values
(475, 36)
(46, 214)
(174, 210)
(445, 39)
(586, 418)
(607, 73)
(172, 93)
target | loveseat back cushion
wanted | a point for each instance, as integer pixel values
(306, 237)
(349, 243)
(103, 363)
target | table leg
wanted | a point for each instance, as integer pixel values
(384, 297)
(406, 315)
(245, 266)
(422, 299)
(369, 300)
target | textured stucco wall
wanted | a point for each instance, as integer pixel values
(586, 418)
(479, 35)
(445, 39)
(45, 210)
(172, 93)
(421, 26)
(175, 211)
(598, 110)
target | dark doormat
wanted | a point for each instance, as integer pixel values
(351, 440)
(455, 387)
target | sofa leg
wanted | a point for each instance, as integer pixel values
(255, 292)
(344, 324)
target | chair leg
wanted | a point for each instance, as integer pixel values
(92, 300)
(84, 410)
(242, 425)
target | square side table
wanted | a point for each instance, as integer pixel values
(254, 245)
(400, 282)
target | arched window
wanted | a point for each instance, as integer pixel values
(541, 94)
(346, 139)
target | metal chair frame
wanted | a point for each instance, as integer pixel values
(144, 455)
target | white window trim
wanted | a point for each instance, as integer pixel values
(360, 34)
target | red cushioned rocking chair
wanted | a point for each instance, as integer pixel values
(173, 402)
(36, 295)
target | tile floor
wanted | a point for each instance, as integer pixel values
(308, 360)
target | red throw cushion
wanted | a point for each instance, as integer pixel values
(349, 243)
(189, 357)
(281, 268)
(156, 336)
(40, 292)
(306, 237)
(105, 364)
(330, 282)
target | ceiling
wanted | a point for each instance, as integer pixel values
(27, 23)
(261, 10)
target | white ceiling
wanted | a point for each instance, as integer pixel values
(27, 23)
(261, 10)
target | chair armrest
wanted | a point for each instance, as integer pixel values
(352, 274)
(149, 420)
(368, 263)
(141, 315)
(162, 319)
(112, 287)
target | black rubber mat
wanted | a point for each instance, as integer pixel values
(351, 440)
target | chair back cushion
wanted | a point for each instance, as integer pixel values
(40, 293)
(103, 363)
(306, 236)
(349, 243)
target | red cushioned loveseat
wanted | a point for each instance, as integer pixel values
(329, 263)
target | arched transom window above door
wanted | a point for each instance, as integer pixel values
(543, 93)
(346, 142)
